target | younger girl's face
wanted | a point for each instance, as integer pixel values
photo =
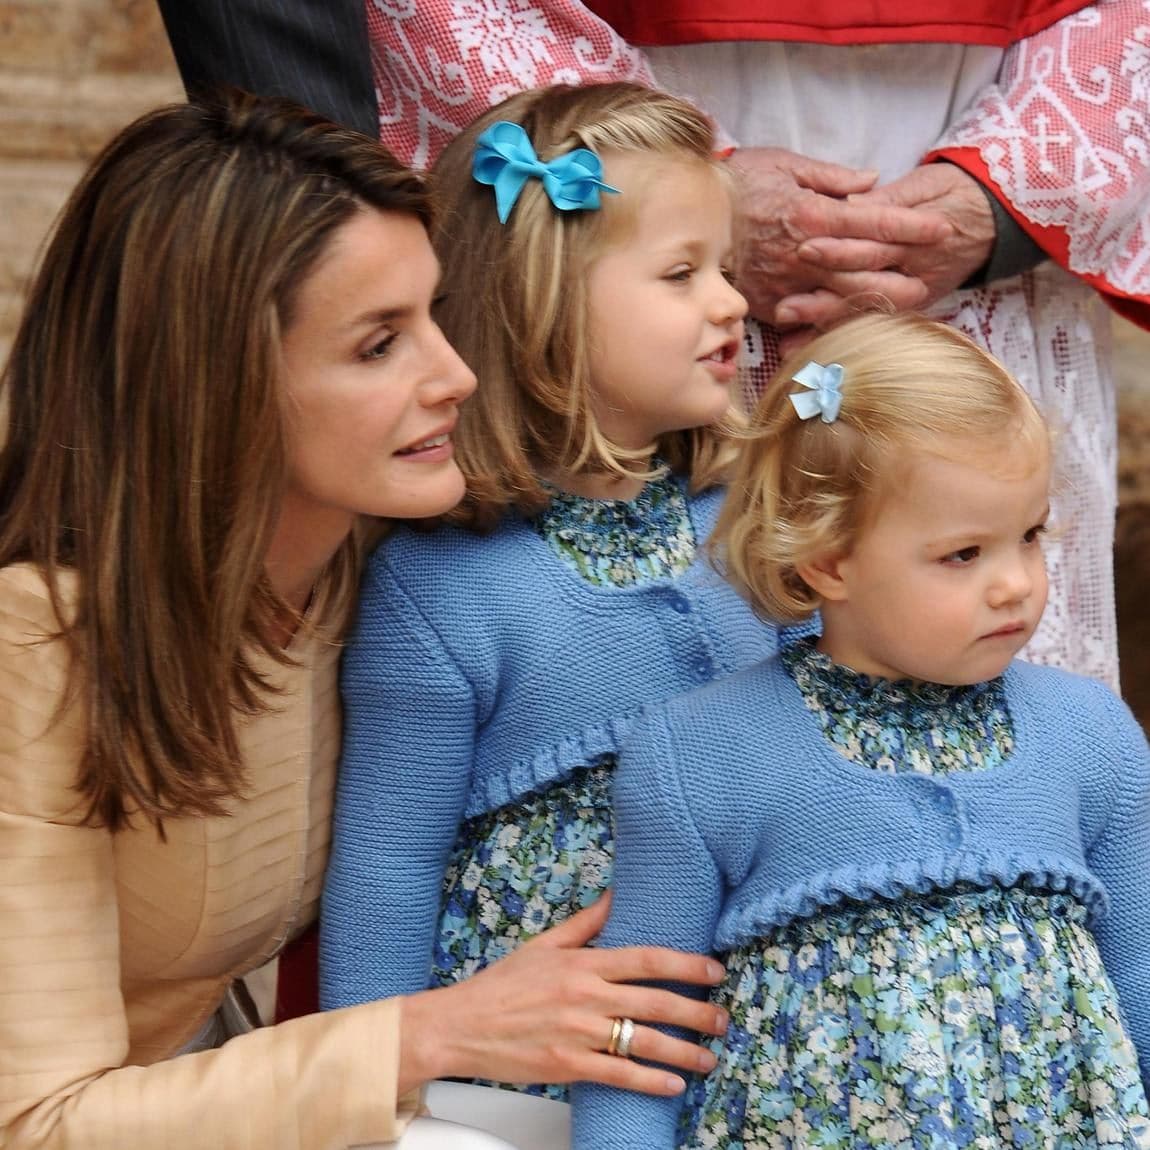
(948, 582)
(372, 386)
(665, 323)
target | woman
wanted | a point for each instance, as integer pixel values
(226, 366)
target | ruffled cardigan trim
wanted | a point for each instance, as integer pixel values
(548, 765)
(747, 920)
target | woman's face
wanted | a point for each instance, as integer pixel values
(372, 387)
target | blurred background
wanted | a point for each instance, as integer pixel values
(74, 71)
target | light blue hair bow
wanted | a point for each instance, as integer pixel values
(505, 159)
(825, 396)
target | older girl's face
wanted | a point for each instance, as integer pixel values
(372, 386)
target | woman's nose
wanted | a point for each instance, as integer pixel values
(451, 379)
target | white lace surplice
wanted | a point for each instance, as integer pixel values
(1061, 122)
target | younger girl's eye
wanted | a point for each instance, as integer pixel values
(962, 557)
(729, 275)
(380, 349)
(1035, 533)
(680, 274)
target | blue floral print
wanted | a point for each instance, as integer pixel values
(967, 1018)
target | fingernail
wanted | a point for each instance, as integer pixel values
(715, 971)
(707, 1061)
(786, 315)
(720, 1021)
(675, 1085)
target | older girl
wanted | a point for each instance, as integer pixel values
(497, 663)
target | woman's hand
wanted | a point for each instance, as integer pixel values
(545, 1014)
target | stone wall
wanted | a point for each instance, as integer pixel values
(71, 73)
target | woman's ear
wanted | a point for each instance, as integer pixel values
(825, 576)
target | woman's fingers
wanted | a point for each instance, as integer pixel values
(546, 1013)
(579, 929)
(653, 1045)
(651, 1004)
(656, 963)
(622, 1072)
(647, 1046)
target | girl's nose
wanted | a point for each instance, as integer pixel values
(729, 303)
(1013, 583)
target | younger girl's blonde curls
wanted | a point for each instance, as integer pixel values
(803, 489)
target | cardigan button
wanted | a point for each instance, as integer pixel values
(704, 668)
(944, 802)
(680, 603)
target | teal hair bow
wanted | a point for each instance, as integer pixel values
(825, 396)
(505, 159)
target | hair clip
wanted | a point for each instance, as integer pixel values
(825, 397)
(505, 159)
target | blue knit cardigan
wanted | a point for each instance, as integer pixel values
(734, 815)
(482, 668)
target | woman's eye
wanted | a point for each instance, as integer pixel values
(729, 275)
(680, 275)
(961, 557)
(380, 349)
(1034, 534)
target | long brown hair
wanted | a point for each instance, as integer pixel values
(514, 301)
(145, 449)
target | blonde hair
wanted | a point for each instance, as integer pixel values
(515, 299)
(805, 488)
(145, 454)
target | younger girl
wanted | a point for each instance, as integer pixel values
(927, 866)
(497, 663)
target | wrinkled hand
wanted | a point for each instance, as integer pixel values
(544, 1014)
(940, 265)
(789, 201)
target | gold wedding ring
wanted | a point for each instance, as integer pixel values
(622, 1035)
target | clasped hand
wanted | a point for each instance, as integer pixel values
(817, 238)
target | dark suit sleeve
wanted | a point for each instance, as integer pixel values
(315, 52)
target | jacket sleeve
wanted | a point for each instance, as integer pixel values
(321, 1083)
(315, 52)
(666, 891)
(409, 736)
(1120, 857)
(1063, 141)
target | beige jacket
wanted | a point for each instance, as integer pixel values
(115, 949)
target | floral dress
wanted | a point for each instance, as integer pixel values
(532, 864)
(965, 1018)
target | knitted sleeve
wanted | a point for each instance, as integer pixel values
(667, 891)
(1120, 856)
(408, 742)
